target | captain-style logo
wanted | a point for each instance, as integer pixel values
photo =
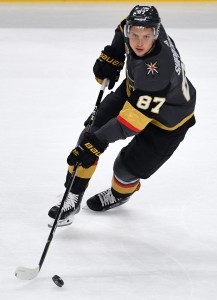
(152, 68)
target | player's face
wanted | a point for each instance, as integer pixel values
(141, 40)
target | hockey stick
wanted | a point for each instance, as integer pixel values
(30, 273)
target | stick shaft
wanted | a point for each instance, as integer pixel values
(71, 179)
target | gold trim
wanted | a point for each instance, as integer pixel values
(160, 125)
(124, 190)
(83, 172)
(134, 117)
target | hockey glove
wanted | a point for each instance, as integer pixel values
(87, 152)
(109, 65)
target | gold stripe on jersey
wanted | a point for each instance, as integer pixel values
(121, 25)
(129, 83)
(85, 173)
(128, 90)
(162, 126)
(124, 189)
(132, 118)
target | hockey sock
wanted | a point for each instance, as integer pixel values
(122, 189)
(82, 178)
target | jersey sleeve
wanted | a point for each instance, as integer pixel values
(113, 131)
(129, 122)
(135, 115)
(118, 40)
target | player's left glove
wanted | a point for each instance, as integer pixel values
(87, 152)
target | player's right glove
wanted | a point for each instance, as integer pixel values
(87, 152)
(109, 65)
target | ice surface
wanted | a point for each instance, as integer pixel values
(162, 244)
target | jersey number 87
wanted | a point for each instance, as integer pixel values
(144, 103)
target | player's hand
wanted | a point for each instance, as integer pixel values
(109, 65)
(87, 152)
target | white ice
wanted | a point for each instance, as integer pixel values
(162, 245)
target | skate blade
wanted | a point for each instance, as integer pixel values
(66, 222)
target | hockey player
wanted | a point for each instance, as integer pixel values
(154, 104)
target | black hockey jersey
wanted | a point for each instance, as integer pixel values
(157, 88)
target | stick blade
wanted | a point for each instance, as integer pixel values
(26, 273)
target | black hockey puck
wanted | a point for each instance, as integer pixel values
(58, 280)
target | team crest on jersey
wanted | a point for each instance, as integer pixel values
(152, 68)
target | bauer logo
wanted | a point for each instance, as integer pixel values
(110, 60)
(92, 149)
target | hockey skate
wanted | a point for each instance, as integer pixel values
(105, 201)
(70, 208)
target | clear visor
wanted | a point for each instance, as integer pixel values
(134, 35)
